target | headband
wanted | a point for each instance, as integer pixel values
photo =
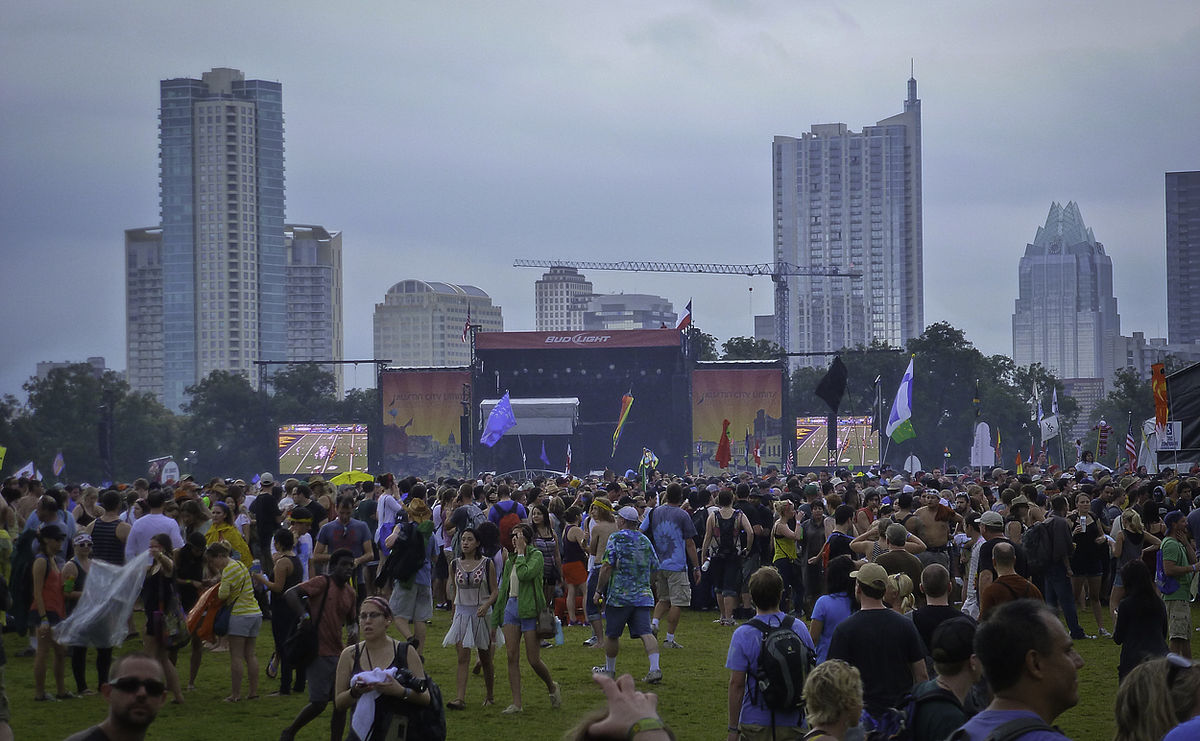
(602, 504)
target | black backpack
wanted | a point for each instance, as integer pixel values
(405, 559)
(727, 541)
(899, 723)
(784, 661)
(1038, 543)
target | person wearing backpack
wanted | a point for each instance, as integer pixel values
(937, 704)
(506, 513)
(722, 534)
(767, 666)
(1179, 564)
(1031, 663)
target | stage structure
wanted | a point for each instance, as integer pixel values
(423, 421)
(566, 389)
(748, 393)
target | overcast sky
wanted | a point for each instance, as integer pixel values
(446, 139)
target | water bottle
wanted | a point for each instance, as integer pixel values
(558, 632)
(704, 566)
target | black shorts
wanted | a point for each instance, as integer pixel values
(441, 567)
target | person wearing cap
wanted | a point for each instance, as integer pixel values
(624, 584)
(889, 667)
(49, 606)
(75, 574)
(939, 701)
(1033, 669)
(1179, 563)
(673, 534)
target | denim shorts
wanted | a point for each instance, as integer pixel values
(637, 618)
(245, 626)
(512, 618)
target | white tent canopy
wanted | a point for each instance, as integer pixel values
(538, 416)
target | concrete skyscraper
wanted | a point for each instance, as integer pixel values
(559, 299)
(420, 323)
(851, 200)
(1066, 315)
(208, 288)
(1183, 257)
(628, 311)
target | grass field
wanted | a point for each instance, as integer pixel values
(692, 695)
(858, 444)
(311, 449)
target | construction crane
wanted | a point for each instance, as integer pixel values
(777, 271)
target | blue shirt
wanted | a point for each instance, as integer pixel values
(672, 529)
(744, 648)
(987, 721)
(830, 609)
(1184, 731)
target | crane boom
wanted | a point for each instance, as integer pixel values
(775, 270)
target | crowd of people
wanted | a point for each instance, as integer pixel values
(929, 602)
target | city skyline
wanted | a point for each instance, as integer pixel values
(621, 132)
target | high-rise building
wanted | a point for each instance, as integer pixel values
(46, 367)
(220, 284)
(1183, 257)
(224, 262)
(559, 299)
(628, 311)
(1066, 315)
(420, 323)
(314, 296)
(852, 201)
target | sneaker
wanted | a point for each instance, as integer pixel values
(556, 696)
(1104, 632)
(591, 642)
(654, 676)
(511, 710)
(610, 673)
(671, 643)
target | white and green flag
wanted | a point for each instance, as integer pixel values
(899, 426)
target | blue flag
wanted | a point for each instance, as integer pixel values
(545, 458)
(499, 421)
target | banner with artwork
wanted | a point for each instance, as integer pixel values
(752, 400)
(422, 410)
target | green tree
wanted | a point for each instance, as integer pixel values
(63, 414)
(360, 405)
(704, 345)
(1129, 393)
(304, 393)
(748, 348)
(230, 427)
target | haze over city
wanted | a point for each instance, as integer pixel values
(443, 142)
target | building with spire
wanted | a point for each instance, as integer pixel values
(850, 200)
(1066, 315)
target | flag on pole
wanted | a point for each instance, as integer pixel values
(545, 458)
(500, 420)
(685, 321)
(757, 453)
(1049, 427)
(1037, 397)
(1158, 382)
(1131, 446)
(467, 326)
(1020, 464)
(58, 465)
(977, 401)
(790, 465)
(29, 472)
(568, 471)
(832, 386)
(626, 403)
(746, 453)
(999, 450)
(899, 426)
(699, 459)
(1054, 401)
(724, 455)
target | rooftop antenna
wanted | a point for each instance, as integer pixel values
(912, 67)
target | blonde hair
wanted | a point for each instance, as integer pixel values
(1132, 521)
(780, 505)
(832, 690)
(1148, 706)
(904, 596)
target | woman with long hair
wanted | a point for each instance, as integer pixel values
(547, 542)
(1156, 697)
(1087, 560)
(1132, 541)
(89, 509)
(224, 531)
(521, 587)
(286, 573)
(190, 579)
(245, 620)
(472, 581)
(49, 606)
(834, 606)
(194, 517)
(787, 534)
(574, 563)
(1141, 627)
(158, 590)
(369, 671)
(602, 523)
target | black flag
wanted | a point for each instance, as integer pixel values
(832, 387)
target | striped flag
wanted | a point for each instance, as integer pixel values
(685, 321)
(467, 326)
(568, 471)
(626, 403)
(1131, 447)
(899, 424)
(58, 465)
(791, 462)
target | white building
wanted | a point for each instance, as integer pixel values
(559, 299)
(420, 323)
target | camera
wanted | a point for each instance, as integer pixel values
(406, 679)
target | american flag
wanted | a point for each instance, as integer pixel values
(467, 326)
(568, 471)
(791, 462)
(1131, 447)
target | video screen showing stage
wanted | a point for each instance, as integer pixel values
(857, 443)
(306, 449)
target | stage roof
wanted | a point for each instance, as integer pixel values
(577, 340)
(539, 416)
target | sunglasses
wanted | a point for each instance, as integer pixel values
(130, 685)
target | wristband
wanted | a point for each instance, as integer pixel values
(733, 729)
(646, 724)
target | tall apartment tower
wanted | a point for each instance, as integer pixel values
(144, 310)
(314, 296)
(420, 323)
(850, 200)
(559, 300)
(1183, 257)
(1066, 316)
(224, 261)
(628, 311)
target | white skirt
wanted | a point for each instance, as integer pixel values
(466, 626)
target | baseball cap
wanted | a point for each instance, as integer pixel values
(267, 479)
(953, 641)
(991, 519)
(871, 575)
(629, 514)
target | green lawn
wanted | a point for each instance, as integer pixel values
(692, 695)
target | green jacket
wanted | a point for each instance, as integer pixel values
(530, 598)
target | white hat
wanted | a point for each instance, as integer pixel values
(286, 503)
(629, 514)
(908, 489)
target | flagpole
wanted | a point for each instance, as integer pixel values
(879, 420)
(524, 466)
